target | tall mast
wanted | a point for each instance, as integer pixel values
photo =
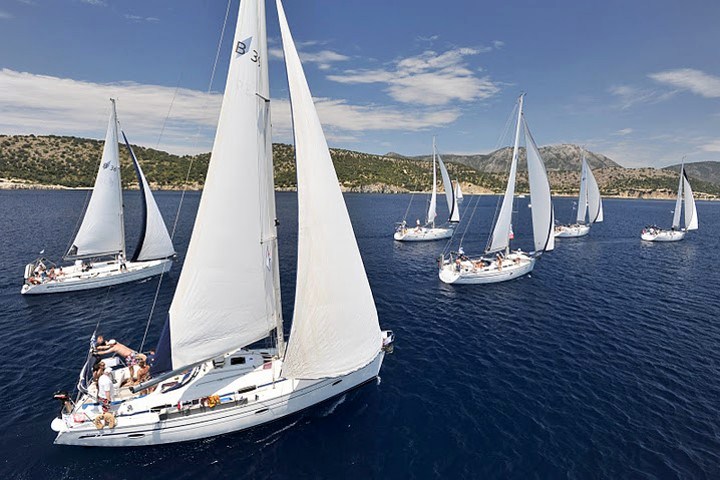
(516, 153)
(122, 214)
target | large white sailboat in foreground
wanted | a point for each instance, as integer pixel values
(653, 233)
(429, 231)
(589, 207)
(207, 379)
(98, 250)
(499, 263)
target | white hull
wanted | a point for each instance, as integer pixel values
(514, 265)
(571, 231)
(102, 274)
(272, 399)
(423, 234)
(663, 235)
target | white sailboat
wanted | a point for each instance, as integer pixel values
(590, 209)
(429, 231)
(499, 263)
(653, 233)
(98, 250)
(207, 379)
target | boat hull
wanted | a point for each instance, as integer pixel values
(280, 399)
(572, 231)
(663, 236)
(469, 274)
(103, 274)
(424, 235)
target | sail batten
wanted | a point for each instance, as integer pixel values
(101, 232)
(335, 326)
(224, 302)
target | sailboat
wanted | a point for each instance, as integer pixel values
(499, 263)
(207, 378)
(590, 209)
(429, 231)
(98, 250)
(653, 233)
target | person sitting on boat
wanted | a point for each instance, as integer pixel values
(417, 225)
(34, 280)
(499, 261)
(59, 272)
(123, 266)
(138, 373)
(458, 264)
(105, 386)
(479, 264)
(98, 371)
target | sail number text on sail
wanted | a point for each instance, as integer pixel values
(242, 49)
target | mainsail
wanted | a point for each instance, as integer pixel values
(678, 201)
(454, 212)
(595, 208)
(458, 193)
(500, 239)
(582, 206)
(102, 231)
(335, 327)
(691, 220)
(543, 216)
(432, 209)
(155, 242)
(227, 294)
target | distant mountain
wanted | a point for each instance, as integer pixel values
(565, 157)
(703, 171)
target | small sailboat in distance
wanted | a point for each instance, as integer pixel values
(98, 250)
(208, 376)
(589, 206)
(653, 233)
(429, 231)
(500, 264)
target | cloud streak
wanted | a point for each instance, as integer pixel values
(695, 81)
(430, 78)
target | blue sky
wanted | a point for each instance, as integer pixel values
(636, 80)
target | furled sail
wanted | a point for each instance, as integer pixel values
(454, 213)
(335, 327)
(543, 216)
(458, 193)
(595, 207)
(155, 242)
(500, 238)
(582, 205)
(102, 231)
(432, 209)
(226, 296)
(678, 202)
(691, 220)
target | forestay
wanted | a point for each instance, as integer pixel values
(101, 232)
(335, 327)
(226, 296)
(543, 217)
(155, 242)
(595, 207)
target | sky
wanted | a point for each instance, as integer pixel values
(638, 80)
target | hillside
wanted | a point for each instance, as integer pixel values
(70, 162)
(706, 171)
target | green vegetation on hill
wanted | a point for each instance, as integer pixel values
(73, 162)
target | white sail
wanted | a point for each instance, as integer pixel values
(155, 242)
(691, 220)
(335, 327)
(454, 213)
(678, 202)
(543, 217)
(595, 207)
(458, 193)
(432, 209)
(582, 205)
(226, 294)
(102, 231)
(500, 239)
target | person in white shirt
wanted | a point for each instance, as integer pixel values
(105, 386)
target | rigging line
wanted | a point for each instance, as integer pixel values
(187, 177)
(172, 102)
(77, 223)
(407, 210)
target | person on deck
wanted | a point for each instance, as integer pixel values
(113, 346)
(105, 386)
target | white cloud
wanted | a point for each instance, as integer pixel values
(498, 44)
(696, 81)
(629, 95)
(138, 18)
(4, 15)
(98, 3)
(428, 79)
(713, 147)
(623, 132)
(42, 104)
(323, 58)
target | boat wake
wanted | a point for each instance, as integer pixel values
(275, 436)
(331, 409)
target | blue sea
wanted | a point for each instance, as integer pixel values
(604, 363)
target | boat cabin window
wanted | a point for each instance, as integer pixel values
(237, 361)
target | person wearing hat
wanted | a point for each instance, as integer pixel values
(105, 386)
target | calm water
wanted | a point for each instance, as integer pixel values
(603, 364)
